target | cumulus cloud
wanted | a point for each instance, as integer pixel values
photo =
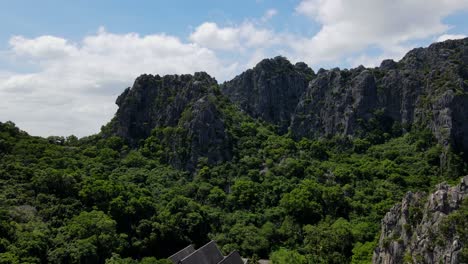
(445, 37)
(44, 47)
(349, 26)
(233, 38)
(73, 86)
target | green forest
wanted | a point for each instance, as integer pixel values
(99, 200)
(234, 132)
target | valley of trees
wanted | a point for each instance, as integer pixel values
(97, 200)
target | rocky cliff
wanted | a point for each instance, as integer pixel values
(155, 101)
(426, 229)
(271, 90)
(187, 104)
(428, 88)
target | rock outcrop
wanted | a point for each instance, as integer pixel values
(189, 103)
(155, 101)
(271, 90)
(428, 88)
(417, 231)
(334, 103)
(207, 131)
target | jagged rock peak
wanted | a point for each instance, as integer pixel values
(388, 65)
(417, 231)
(155, 101)
(439, 53)
(282, 63)
(189, 106)
(428, 88)
(271, 90)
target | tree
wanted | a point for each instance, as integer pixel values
(304, 202)
(329, 243)
(362, 253)
(286, 256)
(245, 194)
(183, 221)
(89, 237)
(30, 243)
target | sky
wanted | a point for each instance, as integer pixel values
(63, 63)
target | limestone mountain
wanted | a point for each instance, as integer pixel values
(427, 89)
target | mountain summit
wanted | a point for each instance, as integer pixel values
(271, 90)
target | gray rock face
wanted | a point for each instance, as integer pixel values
(155, 101)
(271, 90)
(427, 88)
(187, 102)
(409, 229)
(334, 102)
(207, 133)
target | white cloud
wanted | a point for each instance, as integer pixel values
(234, 38)
(210, 35)
(349, 26)
(44, 47)
(269, 14)
(74, 87)
(450, 36)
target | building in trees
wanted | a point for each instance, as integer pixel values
(208, 254)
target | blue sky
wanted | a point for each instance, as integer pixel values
(62, 63)
(75, 19)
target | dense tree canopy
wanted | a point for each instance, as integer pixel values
(97, 200)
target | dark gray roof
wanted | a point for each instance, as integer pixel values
(233, 258)
(208, 254)
(182, 254)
